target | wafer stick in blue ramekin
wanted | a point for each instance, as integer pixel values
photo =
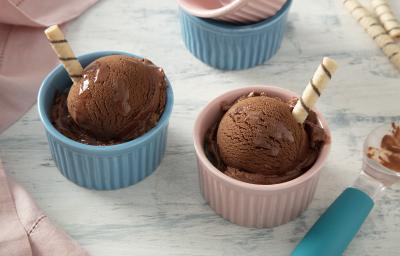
(64, 52)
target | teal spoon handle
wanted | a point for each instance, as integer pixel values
(335, 229)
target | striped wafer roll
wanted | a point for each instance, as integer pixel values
(64, 52)
(375, 30)
(390, 23)
(314, 89)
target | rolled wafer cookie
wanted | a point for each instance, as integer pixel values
(314, 89)
(390, 23)
(375, 30)
(64, 52)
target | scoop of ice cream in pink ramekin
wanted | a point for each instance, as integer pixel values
(259, 190)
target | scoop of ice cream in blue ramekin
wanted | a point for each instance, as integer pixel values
(102, 167)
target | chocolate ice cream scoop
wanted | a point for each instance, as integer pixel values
(259, 141)
(259, 134)
(118, 97)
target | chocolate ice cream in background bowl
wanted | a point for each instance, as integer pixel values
(110, 130)
(258, 166)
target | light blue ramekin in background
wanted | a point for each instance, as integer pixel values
(102, 167)
(230, 46)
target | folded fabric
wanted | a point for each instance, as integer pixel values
(25, 58)
(25, 55)
(25, 229)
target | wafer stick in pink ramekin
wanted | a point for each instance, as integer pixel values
(313, 90)
(64, 52)
(375, 30)
(386, 16)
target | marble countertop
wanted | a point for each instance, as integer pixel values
(165, 214)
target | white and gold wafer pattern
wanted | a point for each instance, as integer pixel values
(313, 90)
(390, 23)
(375, 30)
(64, 52)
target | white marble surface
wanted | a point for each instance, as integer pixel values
(165, 214)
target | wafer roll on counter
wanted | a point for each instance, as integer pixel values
(314, 89)
(64, 52)
(387, 18)
(375, 30)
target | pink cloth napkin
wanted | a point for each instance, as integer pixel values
(25, 55)
(25, 58)
(25, 230)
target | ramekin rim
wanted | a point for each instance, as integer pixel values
(164, 119)
(200, 153)
(214, 13)
(226, 28)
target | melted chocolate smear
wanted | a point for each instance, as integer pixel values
(390, 149)
(63, 122)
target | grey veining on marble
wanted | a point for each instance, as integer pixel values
(165, 214)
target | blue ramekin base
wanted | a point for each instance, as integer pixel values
(102, 167)
(116, 170)
(233, 47)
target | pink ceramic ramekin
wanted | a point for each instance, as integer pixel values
(236, 11)
(248, 204)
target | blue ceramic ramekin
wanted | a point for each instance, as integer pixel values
(230, 46)
(102, 167)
